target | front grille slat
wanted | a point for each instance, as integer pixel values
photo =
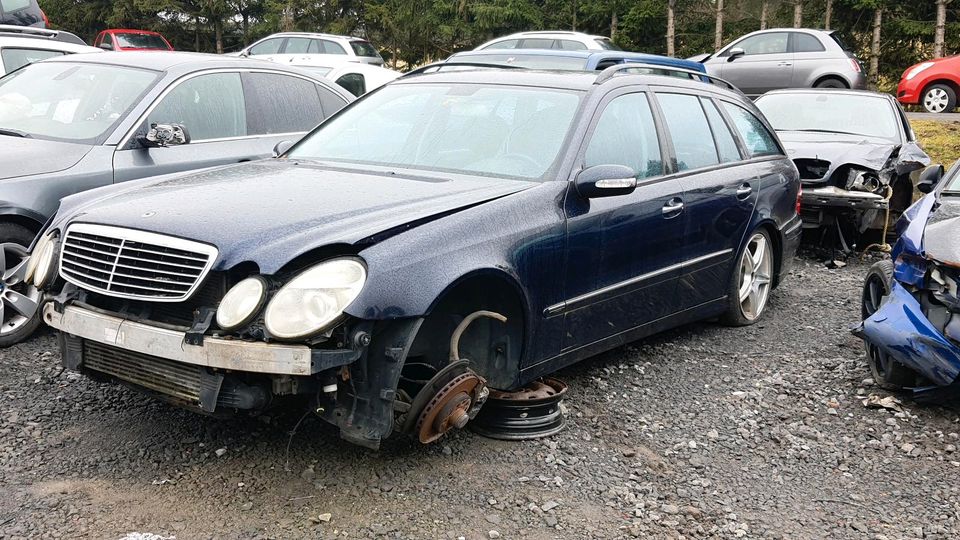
(133, 264)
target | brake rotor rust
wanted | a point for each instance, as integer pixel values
(450, 407)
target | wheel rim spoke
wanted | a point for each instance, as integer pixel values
(15, 275)
(20, 303)
(759, 253)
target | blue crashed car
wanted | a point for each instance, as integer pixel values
(910, 304)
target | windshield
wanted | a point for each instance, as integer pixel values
(841, 113)
(952, 177)
(467, 128)
(69, 102)
(364, 48)
(529, 61)
(141, 41)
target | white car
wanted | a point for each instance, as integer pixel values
(568, 41)
(354, 77)
(22, 45)
(284, 46)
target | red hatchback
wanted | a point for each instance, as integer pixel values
(934, 84)
(131, 40)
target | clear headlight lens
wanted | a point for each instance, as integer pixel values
(241, 303)
(915, 70)
(313, 300)
(44, 269)
(35, 257)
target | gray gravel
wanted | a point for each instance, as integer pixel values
(703, 432)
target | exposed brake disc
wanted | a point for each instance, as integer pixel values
(452, 406)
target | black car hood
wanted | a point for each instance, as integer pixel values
(24, 157)
(941, 238)
(270, 211)
(840, 148)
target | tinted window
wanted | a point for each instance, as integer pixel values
(364, 48)
(689, 131)
(270, 46)
(505, 44)
(570, 45)
(280, 104)
(806, 43)
(210, 106)
(353, 83)
(141, 41)
(537, 43)
(330, 101)
(108, 39)
(726, 144)
(839, 41)
(756, 137)
(626, 135)
(297, 45)
(772, 43)
(17, 58)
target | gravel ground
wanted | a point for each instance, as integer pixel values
(702, 432)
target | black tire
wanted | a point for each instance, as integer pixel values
(22, 236)
(887, 373)
(939, 98)
(830, 82)
(736, 315)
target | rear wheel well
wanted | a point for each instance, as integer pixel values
(493, 348)
(826, 78)
(774, 235)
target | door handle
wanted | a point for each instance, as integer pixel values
(672, 208)
(784, 64)
(744, 191)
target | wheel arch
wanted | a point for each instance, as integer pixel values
(831, 76)
(23, 217)
(954, 85)
(776, 238)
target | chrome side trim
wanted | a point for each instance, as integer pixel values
(232, 354)
(585, 299)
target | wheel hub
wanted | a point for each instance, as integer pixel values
(451, 407)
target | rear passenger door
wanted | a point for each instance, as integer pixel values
(719, 191)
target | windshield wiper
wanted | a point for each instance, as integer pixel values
(15, 133)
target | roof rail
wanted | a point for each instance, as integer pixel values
(609, 73)
(440, 65)
(46, 33)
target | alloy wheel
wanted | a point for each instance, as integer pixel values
(18, 301)
(935, 100)
(755, 274)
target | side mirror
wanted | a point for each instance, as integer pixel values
(606, 181)
(735, 53)
(929, 178)
(163, 135)
(281, 148)
(106, 46)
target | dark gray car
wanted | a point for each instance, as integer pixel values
(786, 58)
(75, 123)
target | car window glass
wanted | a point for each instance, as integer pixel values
(353, 83)
(570, 45)
(607, 45)
(330, 101)
(855, 114)
(315, 47)
(806, 43)
(772, 43)
(505, 44)
(297, 45)
(210, 106)
(14, 5)
(532, 61)
(270, 46)
(689, 131)
(626, 135)
(141, 41)
(16, 58)
(330, 47)
(758, 140)
(280, 104)
(726, 144)
(537, 43)
(108, 39)
(364, 48)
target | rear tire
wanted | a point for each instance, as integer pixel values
(887, 373)
(830, 82)
(14, 326)
(939, 98)
(750, 281)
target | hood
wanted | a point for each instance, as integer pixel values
(271, 211)
(941, 238)
(838, 148)
(23, 157)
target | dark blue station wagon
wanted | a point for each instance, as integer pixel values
(445, 234)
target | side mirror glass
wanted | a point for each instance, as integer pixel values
(281, 148)
(163, 135)
(929, 178)
(606, 181)
(735, 53)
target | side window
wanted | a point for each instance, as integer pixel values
(315, 47)
(16, 58)
(280, 104)
(332, 47)
(772, 43)
(626, 135)
(537, 43)
(270, 46)
(353, 83)
(297, 45)
(806, 43)
(570, 45)
(330, 101)
(505, 44)
(210, 106)
(726, 144)
(758, 140)
(689, 131)
(108, 39)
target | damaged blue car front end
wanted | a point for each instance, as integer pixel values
(916, 324)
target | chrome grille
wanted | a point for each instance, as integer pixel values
(128, 263)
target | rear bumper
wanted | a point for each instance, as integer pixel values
(791, 233)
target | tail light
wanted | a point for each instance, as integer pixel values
(799, 196)
(46, 21)
(855, 64)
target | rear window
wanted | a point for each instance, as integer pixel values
(141, 41)
(14, 5)
(608, 45)
(14, 59)
(364, 48)
(530, 61)
(836, 38)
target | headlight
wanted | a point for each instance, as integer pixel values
(313, 300)
(35, 257)
(241, 303)
(45, 261)
(915, 70)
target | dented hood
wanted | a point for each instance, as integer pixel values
(941, 238)
(844, 149)
(271, 211)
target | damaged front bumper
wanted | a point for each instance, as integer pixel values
(900, 329)
(834, 197)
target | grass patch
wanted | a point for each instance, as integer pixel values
(941, 140)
